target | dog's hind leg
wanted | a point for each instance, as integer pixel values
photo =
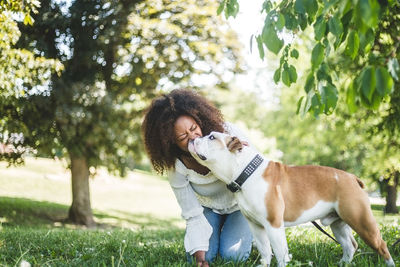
(262, 242)
(344, 236)
(359, 216)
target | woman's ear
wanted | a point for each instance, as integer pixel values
(234, 144)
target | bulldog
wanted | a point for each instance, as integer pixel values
(273, 195)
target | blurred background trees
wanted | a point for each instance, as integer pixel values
(21, 73)
(116, 56)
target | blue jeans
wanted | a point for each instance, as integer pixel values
(231, 237)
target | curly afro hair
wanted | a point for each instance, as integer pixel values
(159, 120)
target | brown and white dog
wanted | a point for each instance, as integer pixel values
(275, 196)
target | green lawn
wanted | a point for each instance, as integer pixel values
(139, 224)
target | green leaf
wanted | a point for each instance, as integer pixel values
(311, 7)
(324, 73)
(271, 39)
(277, 75)
(316, 105)
(351, 98)
(302, 20)
(346, 18)
(327, 46)
(376, 100)
(232, 8)
(369, 12)
(345, 6)
(384, 82)
(267, 6)
(329, 98)
(309, 82)
(319, 28)
(294, 53)
(394, 68)
(290, 21)
(299, 7)
(367, 40)
(368, 82)
(280, 23)
(335, 26)
(221, 7)
(260, 46)
(308, 103)
(292, 74)
(317, 55)
(353, 43)
(286, 77)
(299, 105)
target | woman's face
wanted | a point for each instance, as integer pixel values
(186, 129)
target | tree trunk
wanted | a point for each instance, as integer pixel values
(391, 194)
(80, 211)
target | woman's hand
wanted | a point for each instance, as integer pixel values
(200, 257)
(203, 264)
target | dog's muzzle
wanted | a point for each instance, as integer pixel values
(191, 143)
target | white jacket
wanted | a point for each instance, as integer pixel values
(193, 190)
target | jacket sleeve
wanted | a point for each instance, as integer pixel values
(198, 230)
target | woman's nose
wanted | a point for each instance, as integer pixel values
(192, 136)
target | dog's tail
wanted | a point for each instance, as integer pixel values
(360, 183)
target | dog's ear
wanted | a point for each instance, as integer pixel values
(234, 144)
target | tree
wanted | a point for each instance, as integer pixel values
(19, 69)
(389, 124)
(354, 60)
(340, 27)
(117, 55)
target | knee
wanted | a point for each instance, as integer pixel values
(237, 252)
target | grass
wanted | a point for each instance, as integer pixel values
(139, 224)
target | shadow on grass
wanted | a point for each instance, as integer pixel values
(15, 212)
(381, 208)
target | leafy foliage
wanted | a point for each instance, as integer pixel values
(116, 55)
(341, 27)
(354, 63)
(22, 73)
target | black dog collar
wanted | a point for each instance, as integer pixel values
(250, 168)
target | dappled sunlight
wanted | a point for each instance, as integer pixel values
(42, 214)
(48, 180)
(26, 212)
(137, 221)
(38, 194)
(382, 218)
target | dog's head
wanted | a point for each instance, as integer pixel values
(219, 152)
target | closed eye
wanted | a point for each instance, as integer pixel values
(182, 137)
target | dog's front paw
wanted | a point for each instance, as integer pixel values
(264, 263)
(288, 257)
(344, 263)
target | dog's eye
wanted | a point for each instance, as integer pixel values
(211, 137)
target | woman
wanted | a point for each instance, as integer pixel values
(214, 224)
